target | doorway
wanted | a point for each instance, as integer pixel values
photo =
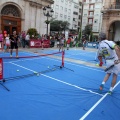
(10, 24)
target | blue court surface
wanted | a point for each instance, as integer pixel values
(41, 90)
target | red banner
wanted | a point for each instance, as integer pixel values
(38, 43)
(1, 69)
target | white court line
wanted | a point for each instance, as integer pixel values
(59, 80)
(96, 104)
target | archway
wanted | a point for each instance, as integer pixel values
(10, 19)
(114, 31)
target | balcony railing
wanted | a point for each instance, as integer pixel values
(114, 7)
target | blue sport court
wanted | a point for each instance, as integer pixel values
(41, 90)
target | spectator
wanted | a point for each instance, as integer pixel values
(27, 40)
(1, 39)
(68, 43)
(23, 39)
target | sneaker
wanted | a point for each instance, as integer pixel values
(110, 92)
(101, 87)
(10, 55)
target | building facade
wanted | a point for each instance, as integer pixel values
(92, 15)
(20, 15)
(111, 19)
(68, 10)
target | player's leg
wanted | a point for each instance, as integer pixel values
(59, 47)
(16, 47)
(104, 80)
(11, 49)
(113, 83)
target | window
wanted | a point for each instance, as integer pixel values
(61, 15)
(65, 16)
(90, 21)
(65, 9)
(57, 7)
(10, 10)
(75, 13)
(75, 6)
(91, 13)
(68, 18)
(69, 11)
(61, 8)
(96, 21)
(91, 6)
(56, 15)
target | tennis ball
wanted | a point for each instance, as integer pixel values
(17, 70)
(37, 74)
(97, 64)
(48, 67)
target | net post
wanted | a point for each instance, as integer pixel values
(1, 69)
(63, 53)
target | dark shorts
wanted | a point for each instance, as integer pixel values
(14, 45)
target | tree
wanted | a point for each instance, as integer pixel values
(64, 26)
(87, 31)
(32, 31)
(58, 25)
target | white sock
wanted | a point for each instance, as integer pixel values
(103, 82)
(111, 89)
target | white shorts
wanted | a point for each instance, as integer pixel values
(115, 69)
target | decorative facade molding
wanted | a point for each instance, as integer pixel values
(38, 3)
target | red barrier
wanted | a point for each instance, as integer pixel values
(1, 69)
(38, 43)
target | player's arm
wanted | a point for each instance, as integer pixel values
(100, 56)
(117, 50)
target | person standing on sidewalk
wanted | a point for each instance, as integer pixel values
(110, 51)
(1, 39)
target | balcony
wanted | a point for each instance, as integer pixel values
(111, 8)
(90, 16)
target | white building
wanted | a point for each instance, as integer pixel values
(20, 15)
(92, 15)
(67, 10)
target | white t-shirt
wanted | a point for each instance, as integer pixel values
(62, 41)
(7, 40)
(106, 48)
(27, 37)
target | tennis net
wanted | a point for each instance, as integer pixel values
(28, 66)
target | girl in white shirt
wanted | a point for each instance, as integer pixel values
(7, 39)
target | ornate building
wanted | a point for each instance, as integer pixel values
(20, 15)
(111, 19)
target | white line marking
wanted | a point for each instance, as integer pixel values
(96, 104)
(59, 80)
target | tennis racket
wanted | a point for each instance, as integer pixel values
(111, 66)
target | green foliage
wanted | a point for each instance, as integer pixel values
(91, 37)
(79, 35)
(32, 31)
(88, 29)
(58, 25)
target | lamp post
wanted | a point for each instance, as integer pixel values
(48, 12)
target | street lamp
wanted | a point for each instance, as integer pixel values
(48, 12)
